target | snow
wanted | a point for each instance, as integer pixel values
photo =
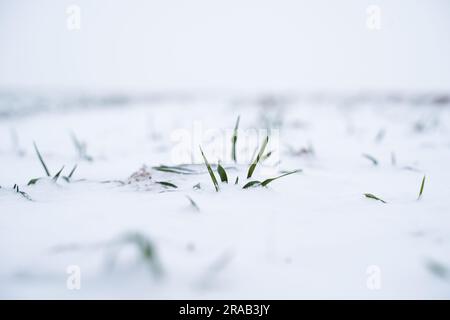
(308, 235)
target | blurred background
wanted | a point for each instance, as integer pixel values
(225, 46)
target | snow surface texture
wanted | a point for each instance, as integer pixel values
(308, 235)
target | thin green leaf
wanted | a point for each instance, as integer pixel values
(371, 158)
(267, 181)
(41, 160)
(251, 184)
(71, 172)
(266, 156)
(234, 140)
(252, 167)
(33, 181)
(197, 186)
(166, 184)
(222, 173)
(174, 169)
(421, 187)
(55, 178)
(237, 180)
(211, 173)
(371, 196)
(147, 251)
(193, 203)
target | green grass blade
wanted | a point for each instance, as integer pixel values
(237, 180)
(371, 158)
(371, 196)
(174, 169)
(252, 167)
(234, 140)
(266, 156)
(222, 173)
(211, 173)
(197, 186)
(193, 203)
(33, 181)
(166, 184)
(41, 160)
(421, 187)
(251, 184)
(267, 181)
(55, 178)
(71, 172)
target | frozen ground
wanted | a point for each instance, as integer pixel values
(308, 235)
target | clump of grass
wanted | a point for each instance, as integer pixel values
(210, 171)
(422, 185)
(234, 140)
(81, 148)
(47, 172)
(252, 167)
(371, 196)
(371, 158)
(260, 156)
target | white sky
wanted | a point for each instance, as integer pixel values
(229, 45)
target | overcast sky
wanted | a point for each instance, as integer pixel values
(229, 45)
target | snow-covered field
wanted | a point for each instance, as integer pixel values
(311, 234)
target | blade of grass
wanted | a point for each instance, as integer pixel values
(174, 169)
(251, 184)
(421, 188)
(55, 178)
(237, 180)
(33, 181)
(371, 196)
(211, 173)
(222, 173)
(267, 181)
(147, 251)
(41, 160)
(234, 140)
(252, 167)
(71, 172)
(197, 186)
(371, 158)
(266, 156)
(166, 184)
(193, 204)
